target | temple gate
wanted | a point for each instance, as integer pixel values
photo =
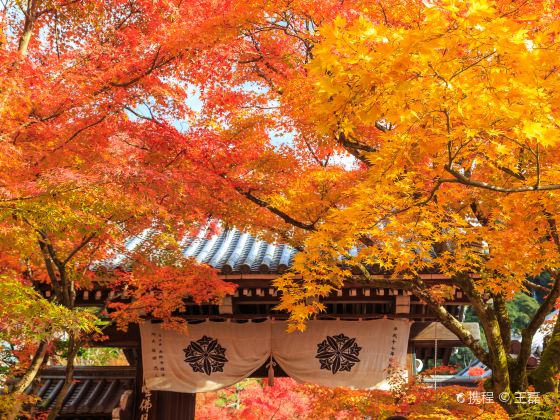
(363, 329)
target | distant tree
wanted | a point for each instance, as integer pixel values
(521, 309)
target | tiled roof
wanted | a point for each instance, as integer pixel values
(233, 251)
(94, 393)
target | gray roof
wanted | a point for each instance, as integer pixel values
(233, 251)
(94, 393)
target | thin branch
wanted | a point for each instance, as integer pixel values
(484, 57)
(313, 154)
(551, 72)
(78, 248)
(284, 216)
(480, 184)
(143, 117)
(439, 76)
(355, 149)
(76, 134)
(52, 9)
(537, 287)
(154, 66)
(512, 173)
(384, 14)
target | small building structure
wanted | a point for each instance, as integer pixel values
(252, 264)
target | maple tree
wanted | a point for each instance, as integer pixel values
(462, 174)
(26, 318)
(401, 136)
(87, 148)
(448, 112)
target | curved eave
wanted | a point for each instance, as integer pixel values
(235, 252)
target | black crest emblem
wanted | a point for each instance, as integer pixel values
(206, 355)
(338, 353)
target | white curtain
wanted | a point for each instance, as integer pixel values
(214, 355)
(211, 356)
(354, 354)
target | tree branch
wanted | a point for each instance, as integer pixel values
(30, 17)
(76, 134)
(480, 184)
(50, 269)
(276, 211)
(143, 117)
(357, 150)
(538, 287)
(154, 66)
(528, 333)
(503, 319)
(421, 291)
(78, 248)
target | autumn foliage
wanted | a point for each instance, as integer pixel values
(289, 400)
(380, 138)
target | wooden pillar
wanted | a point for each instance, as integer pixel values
(410, 362)
(172, 406)
(161, 405)
(138, 395)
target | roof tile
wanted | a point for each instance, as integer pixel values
(233, 251)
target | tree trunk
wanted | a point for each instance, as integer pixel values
(549, 360)
(518, 376)
(28, 377)
(495, 323)
(500, 383)
(27, 27)
(72, 351)
(545, 377)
